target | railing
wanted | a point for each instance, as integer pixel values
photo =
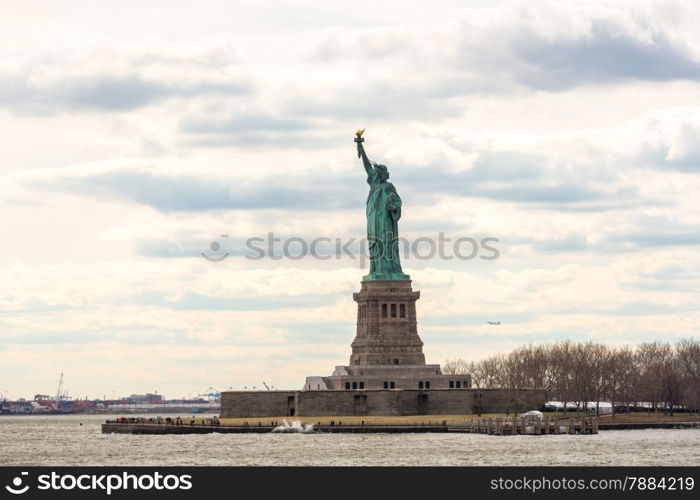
(492, 425)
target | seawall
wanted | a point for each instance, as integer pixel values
(397, 402)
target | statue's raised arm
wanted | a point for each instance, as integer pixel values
(361, 151)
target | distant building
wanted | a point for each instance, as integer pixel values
(144, 398)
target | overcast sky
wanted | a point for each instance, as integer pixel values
(134, 134)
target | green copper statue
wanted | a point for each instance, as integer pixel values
(383, 214)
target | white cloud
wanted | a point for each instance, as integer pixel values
(569, 131)
(123, 79)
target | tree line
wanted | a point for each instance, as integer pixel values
(657, 376)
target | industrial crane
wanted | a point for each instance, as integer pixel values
(212, 395)
(57, 401)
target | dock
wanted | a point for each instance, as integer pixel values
(508, 426)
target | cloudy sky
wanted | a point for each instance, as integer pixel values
(135, 134)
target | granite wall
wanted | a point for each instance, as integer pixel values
(249, 404)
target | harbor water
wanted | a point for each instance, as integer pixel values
(77, 440)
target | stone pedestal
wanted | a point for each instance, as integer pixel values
(387, 332)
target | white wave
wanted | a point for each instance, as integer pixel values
(295, 426)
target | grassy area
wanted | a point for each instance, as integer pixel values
(651, 417)
(350, 420)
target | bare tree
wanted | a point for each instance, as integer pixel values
(534, 363)
(477, 378)
(491, 372)
(622, 376)
(456, 366)
(599, 377)
(667, 377)
(688, 355)
(561, 360)
(650, 358)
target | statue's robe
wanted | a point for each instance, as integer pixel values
(383, 214)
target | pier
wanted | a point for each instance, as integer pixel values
(507, 426)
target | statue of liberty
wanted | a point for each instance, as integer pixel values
(383, 214)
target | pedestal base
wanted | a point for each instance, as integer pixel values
(387, 331)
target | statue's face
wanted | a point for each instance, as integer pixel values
(383, 172)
